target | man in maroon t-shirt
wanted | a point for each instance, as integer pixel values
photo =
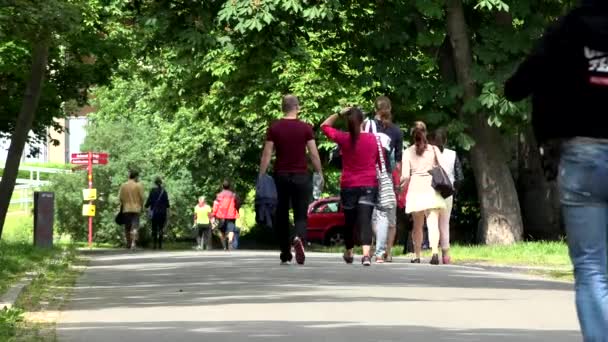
(290, 138)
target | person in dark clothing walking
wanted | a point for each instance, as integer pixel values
(290, 138)
(158, 211)
(567, 75)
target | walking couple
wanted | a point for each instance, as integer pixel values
(361, 154)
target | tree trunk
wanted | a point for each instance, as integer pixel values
(500, 213)
(23, 126)
(539, 198)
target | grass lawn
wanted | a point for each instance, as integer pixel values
(18, 228)
(33, 317)
(547, 254)
(17, 253)
(37, 308)
(551, 256)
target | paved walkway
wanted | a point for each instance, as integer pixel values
(247, 296)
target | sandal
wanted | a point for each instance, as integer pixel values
(379, 259)
(388, 258)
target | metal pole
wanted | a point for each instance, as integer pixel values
(90, 177)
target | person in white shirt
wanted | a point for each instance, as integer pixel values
(452, 166)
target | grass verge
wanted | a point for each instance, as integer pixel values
(18, 258)
(18, 228)
(547, 258)
(548, 254)
(37, 308)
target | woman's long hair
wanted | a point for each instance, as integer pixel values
(354, 118)
(383, 110)
(419, 136)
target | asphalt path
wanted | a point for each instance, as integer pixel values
(248, 296)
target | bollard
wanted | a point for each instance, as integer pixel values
(44, 218)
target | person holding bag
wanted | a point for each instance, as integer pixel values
(158, 206)
(449, 161)
(359, 180)
(421, 174)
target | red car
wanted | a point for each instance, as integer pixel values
(326, 218)
(326, 222)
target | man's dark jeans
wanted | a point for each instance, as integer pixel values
(293, 190)
(583, 182)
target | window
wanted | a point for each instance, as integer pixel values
(327, 207)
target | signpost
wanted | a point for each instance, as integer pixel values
(89, 159)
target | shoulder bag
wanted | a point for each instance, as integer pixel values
(441, 182)
(386, 189)
(151, 210)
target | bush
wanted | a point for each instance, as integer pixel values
(9, 319)
(129, 146)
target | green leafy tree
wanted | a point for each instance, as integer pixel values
(51, 52)
(216, 71)
(127, 126)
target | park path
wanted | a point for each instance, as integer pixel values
(248, 296)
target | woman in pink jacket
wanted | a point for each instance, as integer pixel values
(358, 182)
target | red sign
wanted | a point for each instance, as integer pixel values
(94, 155)
(85, 161)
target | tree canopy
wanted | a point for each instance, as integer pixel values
(209, 75)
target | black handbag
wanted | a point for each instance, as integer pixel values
(120, 219)
(441, 181)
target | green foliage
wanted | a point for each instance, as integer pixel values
(202, 80)
(9, 319)
(68, 204)
(492, 5)
(77, 30)
(16, 258)
(134, 141)
(18, 229)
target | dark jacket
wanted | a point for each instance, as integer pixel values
(567, 76)
(158, 203)
(265, 200)
(395, 150)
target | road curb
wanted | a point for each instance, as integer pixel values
(8, 299)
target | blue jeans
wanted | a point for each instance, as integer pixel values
(583, 182)
(380, 221)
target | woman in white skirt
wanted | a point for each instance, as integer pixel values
(422, 200)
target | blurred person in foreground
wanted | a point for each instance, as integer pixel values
(567, 76)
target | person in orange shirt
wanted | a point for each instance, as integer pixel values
(225, 212)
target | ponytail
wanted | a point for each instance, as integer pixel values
(419, 135)
(354, 117)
